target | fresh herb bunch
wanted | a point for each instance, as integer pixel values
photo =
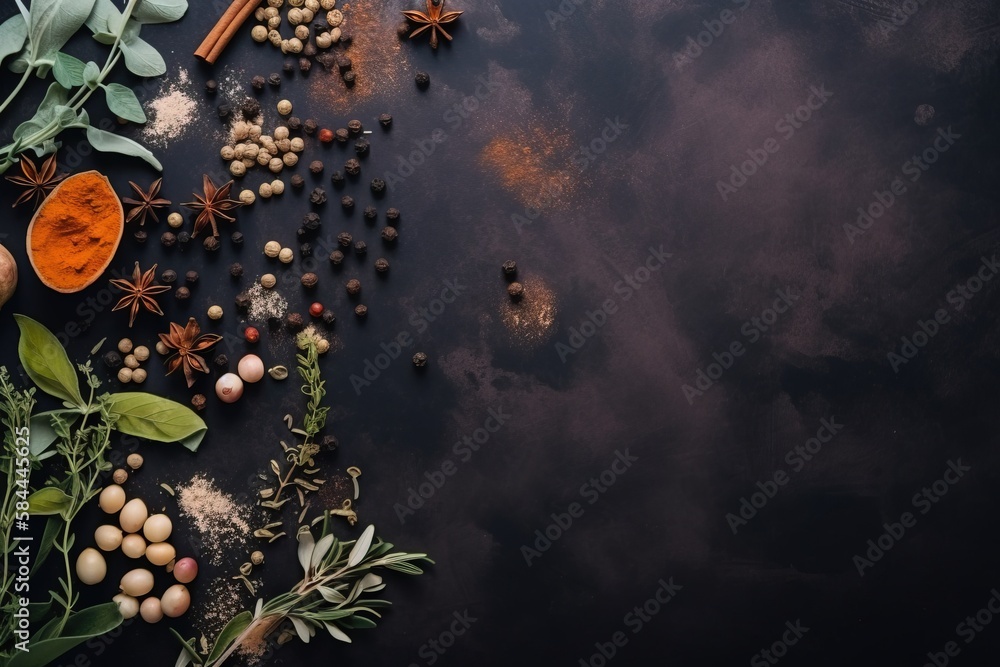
(331, 595)
(16, 406)
(80, 434)
(36, 36)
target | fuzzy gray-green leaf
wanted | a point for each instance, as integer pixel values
(108, 142)
(123, 102)
(13, 34)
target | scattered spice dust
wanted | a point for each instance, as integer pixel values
(265, 303)
(378, 58)
(172, 112)
(530, 321)
(216, 606)
(216, 515)
(532, 165)
(338, 488)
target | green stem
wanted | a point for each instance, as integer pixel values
(17, 88)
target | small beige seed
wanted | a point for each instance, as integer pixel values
(274, 36)
(323, 40)
(248, 163)
(263, 158)
(259, 33)
(295, 45)
(139, 375)
(297, 145)
(161, 348)
(334, 17)
(131, 362)
(238, 151)
(284, 107)
(294, 16)
(267, 281)
(254, 132)
(323, 346)
(283, 145)
(237, 168)
(247, 197)
(271, 12)
(296, 3)
(308, 15)
(273, 24)
(286, 256)
(215, 312)
(175, 220)
(260, 14)
(227, 153)
(257, 557)
(125, 346)
(290, 159)
(251, 151)
(272, 248)
(134, 461)
(240, 130)
(280, 133)
(327, 4)
(276, 165)
(141, 353)
(284, 46)
(275, 4)
(264, 190)
(335, 35)
(302, 33)
(277, 187)
(120, 476)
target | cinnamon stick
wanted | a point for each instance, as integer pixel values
(225, 29)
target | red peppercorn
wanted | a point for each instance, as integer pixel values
(251, 334)
(325, 135)
(316, 309)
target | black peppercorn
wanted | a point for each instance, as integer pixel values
(168, 239)
(309, 50)
(211, 243)
(423, 79)
(274, 79)
(403, 30)
(360, 248)
(306, 250)
(350, 78)
(318, 196)
(236, 269)
(343, 62)
(336, 257)
(385, 120)
(389, 234)
(305, 65)
(354, 126)
(516, 291)
(509, 267)
(337, 178)
(361, 310)
(287, 67)
(347, 201)
(112, 359)
(297, 181)
(183, 238)
(301, 233)
(353, 287)
(370, 212)
(342, 135)
(344, 239)
(221, 361)
(420, 359)
(381, 265)
(392, 215)
(294, 322)
(224, 110)
(346, 37)
(237, 238)
(199, 401)
(182, 293)
(250, 109)
(309, 280)
(168, 277)
(257, 83)
(329, 442)
(211, 86)
(361, 146)
(352, 167)
(316, 167)
(242, 301)
(311, 221)
(140, 236)
(310, 126)
(378, 186)
(328, 316)
(191, 277)
(294, 123)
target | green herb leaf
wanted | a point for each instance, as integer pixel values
(53, 526)
(156, 418)
(337, 633)
(68, 70)
(52, 23)
(302, 629)
(101, 16)
(42, 432)
(49, 500)
(81, 626)
(306, 546)
(13, 34)
(46, 362)
(108, 142)
(123, 102)
(361, 547)
(321, 549)
(233, 629)
(140, 57)
(91, 74)
(55, 96)
(159, 11)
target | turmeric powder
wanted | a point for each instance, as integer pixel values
(75, 232)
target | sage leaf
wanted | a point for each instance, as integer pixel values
(361, 547)
(42, 432)
(321, 549)
(55, 96)
(52, 23)
(107, 38)
(101, 16)
(46, 362)
(13, 34)
(140, 57)
(233, 629)
(123, 102)
(159, 11)
(49, 500)
(68, 71)
(306, 546)
(156, 418)
(337, 633)
(81, 626)
(302, 629)
(91, 74)
(109, 142)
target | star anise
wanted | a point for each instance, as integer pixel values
(140, 290)
(433, 19)
(213, 204)
(188, 342)
(147, 202)
(39, 182)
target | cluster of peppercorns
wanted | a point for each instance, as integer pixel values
(248, 145)
(305, 42)
(169, 277)
(128, 368)
(515, 289)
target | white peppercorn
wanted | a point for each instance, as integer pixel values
(125, 346)
(302, 32)
(263, 158)
(271, 12)
(139, 375)
(277, 187)
(124, 374)
(284, 145)
(259, 33)
(259, 14)
(275, 165)
(313, 5)
(237, 168)
(247, 197)
(335, 35)
(227, 153)
(286, 256)
(284, 107)
(308, 15)
(272, 248)
(294, 16)
(161, 348)
(251, 151)
(175, 220)
(295, 45)
(215, 313)
(323, 40)
(297, 145)
(141, 353)
(131, 361)
(264, 190)
(274, 37)
(327, 5)
(240, 130)
(267, 281)
(238, 151)
(280, 133)
(290, 159)
(274, 23)
(334, 18)
(254, 132)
